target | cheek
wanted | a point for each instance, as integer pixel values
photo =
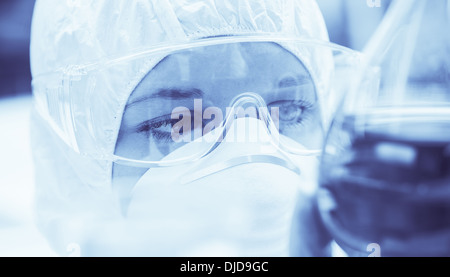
(132, 145)
(314, 131)
(315, 137)
(143, 146)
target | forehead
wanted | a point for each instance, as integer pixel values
(251, 66)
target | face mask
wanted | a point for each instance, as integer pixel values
(236, 201)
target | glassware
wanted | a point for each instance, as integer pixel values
(67, 104)
(385, 171)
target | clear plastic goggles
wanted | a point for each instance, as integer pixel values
(140, 108)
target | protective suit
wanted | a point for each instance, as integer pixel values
(75, 201)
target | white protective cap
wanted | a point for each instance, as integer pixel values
(70, 32)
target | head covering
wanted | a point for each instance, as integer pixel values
(71, 32)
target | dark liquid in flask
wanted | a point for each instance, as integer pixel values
(389, 184)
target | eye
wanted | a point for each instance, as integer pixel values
(288, 82)
(291, 110)
(159, 128)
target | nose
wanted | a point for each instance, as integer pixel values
(248, 98)
(252, 105)
(247, 141)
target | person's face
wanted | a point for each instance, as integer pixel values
(216, 74)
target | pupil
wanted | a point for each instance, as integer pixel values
(289, 112)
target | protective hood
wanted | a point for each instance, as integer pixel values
(68, 33)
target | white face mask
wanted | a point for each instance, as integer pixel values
(224, 204)
(221, 205)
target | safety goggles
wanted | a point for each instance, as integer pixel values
(141, 108)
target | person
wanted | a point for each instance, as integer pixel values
(139, 144)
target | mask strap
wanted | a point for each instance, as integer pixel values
(262, 159)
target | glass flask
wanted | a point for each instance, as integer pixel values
(385, 171)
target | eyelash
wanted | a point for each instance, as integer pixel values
(150, 127)
(305, 107)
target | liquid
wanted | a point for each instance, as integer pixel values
(389, 184)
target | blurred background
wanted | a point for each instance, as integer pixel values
(15, 22)
(18, 236)
(350, 23)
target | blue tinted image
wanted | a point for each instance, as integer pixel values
(224, 128)
(15, 23)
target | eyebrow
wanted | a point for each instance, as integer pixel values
(170, 94)
(297, 80)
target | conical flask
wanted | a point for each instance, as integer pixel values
(385, 172)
